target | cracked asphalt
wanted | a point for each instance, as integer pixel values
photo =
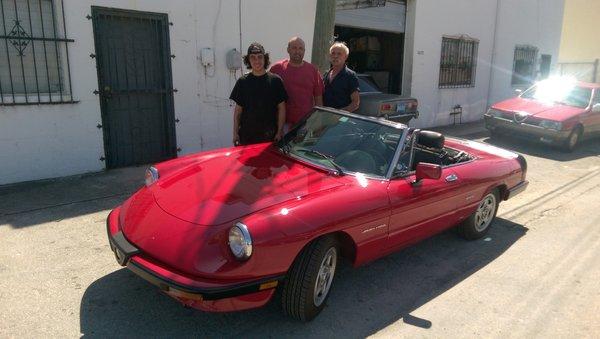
(537, 273)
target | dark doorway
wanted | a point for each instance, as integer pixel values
(135, 86)
(377, 53)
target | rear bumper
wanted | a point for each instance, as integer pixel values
(538, 133)
(203, 294)
(402, 117)
(519, 188)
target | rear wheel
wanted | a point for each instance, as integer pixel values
(573, 140)
(478, 223)
(309, 281)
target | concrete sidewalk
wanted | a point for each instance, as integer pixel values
(474, 129)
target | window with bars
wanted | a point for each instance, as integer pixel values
(458, 62)
(34, 58)
(524, 65)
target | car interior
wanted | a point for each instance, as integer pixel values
(428, 148)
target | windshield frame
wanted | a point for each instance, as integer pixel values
(403, 129)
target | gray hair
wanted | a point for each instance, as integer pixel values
(341, 45)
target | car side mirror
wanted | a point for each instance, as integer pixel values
(427, 171)
(596, 107)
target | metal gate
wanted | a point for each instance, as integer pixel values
(135, 86)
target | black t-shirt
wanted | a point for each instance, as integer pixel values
(258, 96)
(337, 93)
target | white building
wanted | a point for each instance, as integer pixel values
(460, 55)
(141, 119)
(466, 54)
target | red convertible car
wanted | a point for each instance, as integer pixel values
(557, 111)
(223, 230)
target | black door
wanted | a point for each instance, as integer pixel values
(135, 86)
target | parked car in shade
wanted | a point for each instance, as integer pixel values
(373, 102)
(557, 111)
(222, 230)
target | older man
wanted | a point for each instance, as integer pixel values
(302, 82)
(341, 83)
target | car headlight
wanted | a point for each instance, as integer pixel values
(240, 241)
(151, 175)
(551, 124)
(495, 113)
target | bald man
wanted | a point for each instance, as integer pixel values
(302, 82)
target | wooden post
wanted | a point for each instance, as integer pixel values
(323, 35)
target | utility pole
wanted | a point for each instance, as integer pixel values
(323, 36)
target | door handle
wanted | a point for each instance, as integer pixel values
(451, 178)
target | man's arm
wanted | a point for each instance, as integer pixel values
(280, 120)
(319, 100)
(355, 97)
(237, 113)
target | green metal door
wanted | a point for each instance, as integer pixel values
(135, 86)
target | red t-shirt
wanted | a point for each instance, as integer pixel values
(302, 84)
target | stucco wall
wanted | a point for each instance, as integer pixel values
(47, 141)
(531, 22)
(535, 22)
(579, 41)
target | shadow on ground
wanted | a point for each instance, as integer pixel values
(35, 203)
(588, 148)
(363, 300)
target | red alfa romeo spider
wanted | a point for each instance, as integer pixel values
(223, 230)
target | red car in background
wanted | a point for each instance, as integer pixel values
(222, 230)
(557, 111)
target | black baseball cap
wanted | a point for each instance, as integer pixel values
(256, 48)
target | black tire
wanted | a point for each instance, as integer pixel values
(478, 223)
(573, 140)
(298, 291)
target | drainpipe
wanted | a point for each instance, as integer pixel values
(492, 62)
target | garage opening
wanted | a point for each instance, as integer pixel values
(374, 32)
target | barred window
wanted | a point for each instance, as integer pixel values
(524, 65)
(458, 62)
(34, 60)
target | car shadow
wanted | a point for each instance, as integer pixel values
(588, 148)
(362, 301)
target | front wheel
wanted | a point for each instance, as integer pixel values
(309, 281)
(573, 140)
(478, 223)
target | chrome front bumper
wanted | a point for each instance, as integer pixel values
(542, 134)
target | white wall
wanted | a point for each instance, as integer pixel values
(536, 22)
(46, 141)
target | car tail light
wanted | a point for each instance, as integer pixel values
(412, 105)
(386, 107)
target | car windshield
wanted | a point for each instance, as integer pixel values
(559, 91)
(344, 143)
(367, 84)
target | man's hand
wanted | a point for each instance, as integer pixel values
(278, 136)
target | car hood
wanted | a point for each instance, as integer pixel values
(233, 184)
(551, 111)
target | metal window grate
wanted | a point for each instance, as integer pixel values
(458, 62)
(524, 65)
(34, 53)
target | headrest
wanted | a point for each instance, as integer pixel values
(431, 139)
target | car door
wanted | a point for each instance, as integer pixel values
(593, 125)
(419, 210)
